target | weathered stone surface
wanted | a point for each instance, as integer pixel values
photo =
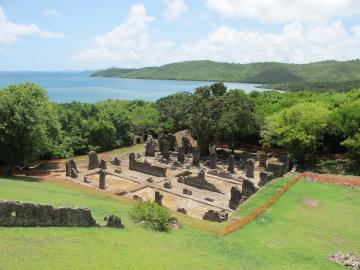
(181, 154)
(71, 168)
(349, 260)
(158, 197)
(150, 180)
(216, 216)
(285, 159)
(160, 139)
(275, 167)
(182, 211)
(86, 179)
(262, 159)
(118, 170)
(102, 164)
(172, 141)
(209, 199)
(231, 164)
(198, 181)
(250, 166)
(167, 185)
(187, 191)
(115, 161)
(213, 157)
(113, 221)
(93, 160)
(243, 157)
(196, 157)
(235, 198)
(102, 177)
(265, 177)
(23, 214)
(187, 145)
(221, 173)
(146, 167)
(166, 148)
(248, 188)
(150, 146)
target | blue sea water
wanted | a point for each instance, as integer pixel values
(80, 86)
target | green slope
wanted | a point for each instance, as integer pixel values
(270, 72)
(289, 235)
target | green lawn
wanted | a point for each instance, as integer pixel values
(289, 235)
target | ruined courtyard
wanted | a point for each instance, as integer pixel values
(169, 171)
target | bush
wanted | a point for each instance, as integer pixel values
(152, 215)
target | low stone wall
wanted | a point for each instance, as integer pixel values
(146, 167)
(23, 214)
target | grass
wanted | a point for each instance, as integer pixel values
(289, 235)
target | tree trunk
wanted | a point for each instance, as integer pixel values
(10, 170)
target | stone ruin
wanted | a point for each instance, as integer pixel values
(24, 214)
(196, 157)
(262, 159)
(188, 148)
(221, 173)
(265, 177)
(213, 157)
(248, 188)
(276, 167)
(231, 166)
(350, 260)
(198, 181)
(235, 198)
(146, 167)
(216, 216)
(102, 176)
(150, 146)
(181, 154)
(102, 164)
(250, 166)
(113, 221)
(158, 197)
(181, 211)
(187, 191)
(167, 185)
(71, 169)
(115, 161)
(93, 160)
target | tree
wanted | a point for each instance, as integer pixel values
(28, 125)
(299, 128)
(237, 118)
(205, 110)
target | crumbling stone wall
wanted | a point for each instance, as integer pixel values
(198, 181)
(24, 214)
(265, 177)
(216, 216)
(275, 167)
(146, 167)
(235, 198)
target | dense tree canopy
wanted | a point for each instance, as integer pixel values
(28, 125)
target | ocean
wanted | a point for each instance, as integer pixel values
(80, 86)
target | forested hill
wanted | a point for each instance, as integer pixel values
(262, 73)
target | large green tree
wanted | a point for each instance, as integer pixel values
(28, 125)
(299, 128)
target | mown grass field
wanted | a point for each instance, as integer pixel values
(289, 235)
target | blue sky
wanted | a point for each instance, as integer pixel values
(84, 35)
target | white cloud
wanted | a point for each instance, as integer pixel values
(10, 32)
(128, 44)
(296, 43)
(174, 9)
(283, 11)
(51, 12)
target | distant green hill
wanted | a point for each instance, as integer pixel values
(262, 73)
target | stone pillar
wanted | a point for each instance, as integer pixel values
(265, 177)
(231, 167)
(93, 160)
(102, 164)
(186, 144)
(181, 154)
(71, 168)
(213, 157)
(115, 161)
(248, 188)
(196, 157)
(150, 146)
(102, 176)
(158, 198)
(160, 141)
(250, 164)
(285, 159)
(235, 198)
(262, 159)
(172, 141)
(166, 149)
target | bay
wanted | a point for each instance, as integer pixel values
(80, 86)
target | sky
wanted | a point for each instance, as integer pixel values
(91, 34)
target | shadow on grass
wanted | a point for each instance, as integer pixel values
(22, 178)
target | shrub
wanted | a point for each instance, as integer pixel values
(152, 215)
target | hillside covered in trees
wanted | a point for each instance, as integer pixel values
(296, 76)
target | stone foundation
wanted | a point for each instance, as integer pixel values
(146, 167)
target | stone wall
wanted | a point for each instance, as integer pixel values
(198, 181)
(146, 167)
(23, 214)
